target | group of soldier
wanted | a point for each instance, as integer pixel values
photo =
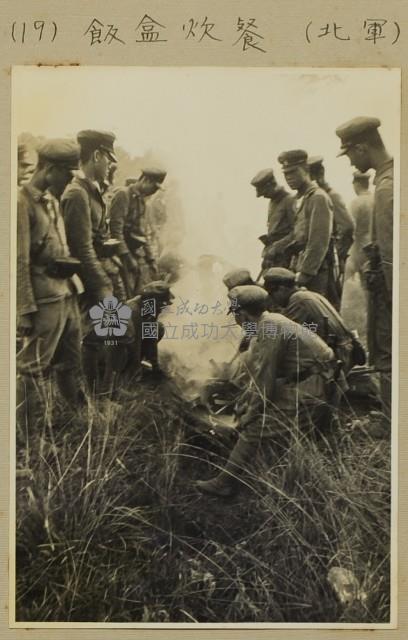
(72, 254)
(74, 251)
(292, 374)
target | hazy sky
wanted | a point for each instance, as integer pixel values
(214, 129)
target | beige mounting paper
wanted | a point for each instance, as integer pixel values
(290, 31)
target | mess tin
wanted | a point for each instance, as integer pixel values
(109, 248)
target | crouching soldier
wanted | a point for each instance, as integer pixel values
(312, 310)
(229, 377)
(48, 320)
(292, 374)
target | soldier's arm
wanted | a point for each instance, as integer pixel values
(149, 251)
(78, 227)
(289, 211)
(118, 212)
(320, 230)
(263, 363)
(25, 295)
(384, 201)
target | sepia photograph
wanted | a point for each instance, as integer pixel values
(204, 284)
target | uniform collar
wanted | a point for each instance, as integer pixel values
(385, 168)
(92, 183)
(279, 195)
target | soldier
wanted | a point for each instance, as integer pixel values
(362, 210)
(89, 240)
(24, 166)
(362, 143)
(312, 310)
(292, 372)
(281, 219)
(343, 222)
(312, 246)
(47, 310)
(147, 330)
(129, 225)
(237, 277)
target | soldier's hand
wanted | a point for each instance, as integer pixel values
(25, 325)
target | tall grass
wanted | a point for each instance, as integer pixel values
(111, 528)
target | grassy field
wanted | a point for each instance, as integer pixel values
(111, 528)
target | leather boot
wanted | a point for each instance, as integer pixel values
(227, 482)
(70, 387)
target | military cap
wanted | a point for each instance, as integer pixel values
(102, 140)
(278, 275)
(22, 156)
(60, 151)
(157, 175)
(313, 161)
(358, 175)
(293, 158)
(355, 131)
(237, 277)
(247, 295)
(157, 288)
(130, 180)
(263, 177)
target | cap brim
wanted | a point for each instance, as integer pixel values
(112, 156)
(343, 152)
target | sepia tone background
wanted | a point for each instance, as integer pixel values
(283, 26)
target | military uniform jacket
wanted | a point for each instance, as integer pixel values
(282, 350)
(127, 214)
(310, 309)
(313, 230)
(84, 214)
(382, 223)
(343, 220)
(40, 239)
(361, 209)
(281, 219)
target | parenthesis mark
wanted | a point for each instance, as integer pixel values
(398, 32)
(13, 35)
(307, 32)
(55, 31)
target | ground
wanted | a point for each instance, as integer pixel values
(110, 526)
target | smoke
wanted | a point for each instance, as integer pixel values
(198, 330)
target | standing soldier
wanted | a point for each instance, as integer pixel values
(343, 222)
(362, 210)
(129, 225)
(362, 143)
(281, 219)
(89, 240)
(47, 311)
(313, 255)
